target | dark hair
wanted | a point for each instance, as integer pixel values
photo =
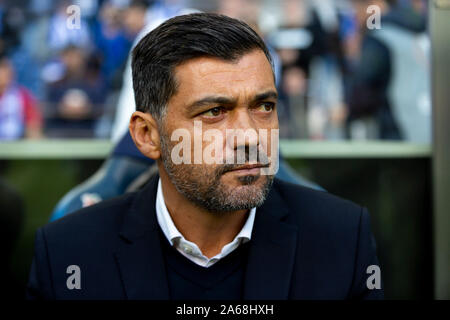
(140, 4)
(179, 39)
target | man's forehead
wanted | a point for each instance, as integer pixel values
(204, 73)
(208, 67)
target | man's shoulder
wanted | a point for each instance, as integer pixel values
(296, 194)
(94, 221)
(317, 208)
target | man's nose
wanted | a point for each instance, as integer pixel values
(242, 136)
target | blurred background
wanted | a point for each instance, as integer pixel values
(363, 109)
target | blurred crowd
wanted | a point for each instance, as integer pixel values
(345, 69)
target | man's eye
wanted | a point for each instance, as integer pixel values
(266, 107)
(214, 112)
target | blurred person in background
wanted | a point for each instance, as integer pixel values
(19, 114)
(46, 33)
(307, 41)
(389, 93)
(13, 21)
(111, 40)
(253, 12)
(60, 36)
(76, 100)
(135, 17)
(157, 13)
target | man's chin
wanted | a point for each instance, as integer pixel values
(246, 186)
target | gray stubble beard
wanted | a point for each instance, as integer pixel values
(212, 195)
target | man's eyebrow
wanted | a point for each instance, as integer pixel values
(266, 95)
(191, 108)
(209, 100)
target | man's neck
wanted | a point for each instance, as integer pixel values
(209, 231)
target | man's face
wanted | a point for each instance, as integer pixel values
(222, 96)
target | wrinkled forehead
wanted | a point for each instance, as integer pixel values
(209, 75)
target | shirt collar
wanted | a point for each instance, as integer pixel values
(164, 219)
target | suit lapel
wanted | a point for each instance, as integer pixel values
(139, 255)
(272, 252)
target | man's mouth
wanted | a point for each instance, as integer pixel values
(248, 169)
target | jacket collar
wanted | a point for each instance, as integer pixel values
(272, 251)
(139, 255)
(141, 217)
(270, 260)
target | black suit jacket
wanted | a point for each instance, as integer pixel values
(305, 244)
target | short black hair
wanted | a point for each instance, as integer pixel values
(140, 4)
(179, 39)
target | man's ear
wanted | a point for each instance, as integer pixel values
(144, 132)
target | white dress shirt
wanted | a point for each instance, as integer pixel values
(189, 249)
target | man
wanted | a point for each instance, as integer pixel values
(202, 229)
(391, 82)
(20, 116)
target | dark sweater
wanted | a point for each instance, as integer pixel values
(188, 281)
